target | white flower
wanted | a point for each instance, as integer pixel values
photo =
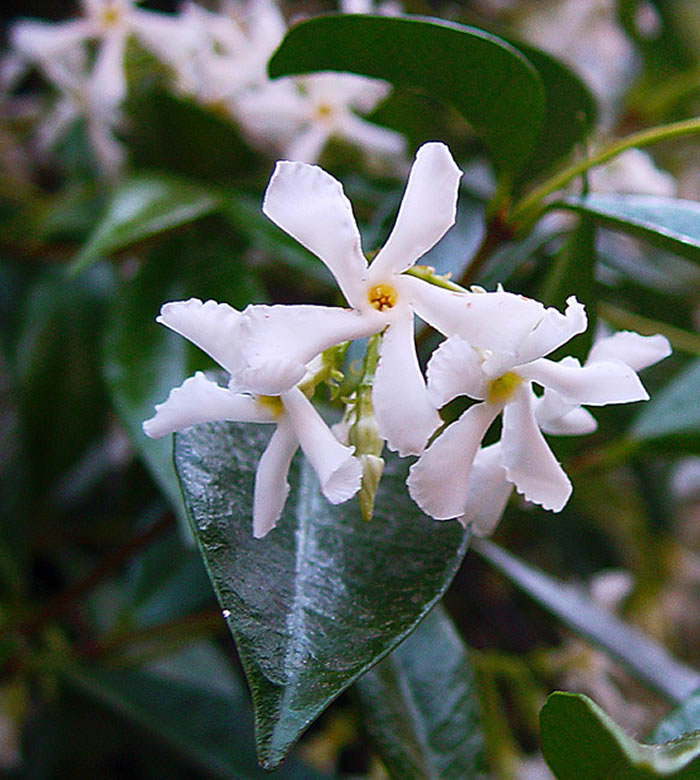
(311, 206)
(215, 328)
(632, 171)
(495, 359)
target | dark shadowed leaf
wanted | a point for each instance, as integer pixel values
(670, 223)
(141, 207)
(420, 705)
(580, 742)
(486, 79)
(324, 595)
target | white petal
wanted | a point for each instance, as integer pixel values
(370, 136)
(488, 491)
(339, 473)
(441, 308)
(439, 480)
(271, 486)
(278, 341)
(213, 327)
(43, 40)
(595, 384)
(455, 369)
(427, 211)
(199, 400)
(406, 417)
(108, 78)
(528, 461)
(308, 144)
(557, 416)
(554, 330)
(310, 205)
(636, 351)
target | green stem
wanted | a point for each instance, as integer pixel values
(521, 211)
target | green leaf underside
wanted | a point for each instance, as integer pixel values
(580, 742)
(670, 223)
(323, 596)
(420, 705)
(486, 79)
(674, 410)
(679, 722)
(144, 206)
(647, 660)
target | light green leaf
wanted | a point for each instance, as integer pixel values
(647, 660)
(420, 705)
(486, 79)
(323, 596)
(674, 410)
(141, 207)
(580, 742)
(670, 223)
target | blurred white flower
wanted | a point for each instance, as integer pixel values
(494, 360)
(310, 205)
(215, 328)
(632, 171)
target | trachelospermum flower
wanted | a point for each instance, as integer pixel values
(310, 205)
(495, 359)
(216, 329)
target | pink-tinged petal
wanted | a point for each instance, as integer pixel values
(441, 308)
(198, 400)
(439, 480)
(455, 369)
(595, 384)
(108, 78)
(636, 351)
(406, 416)
(488, 491)
(271, 486)
(211, 326)
(559, 417)
(553, 330)
(528, 461)
(278, 341)
(338, 471)
(311, 206)
(427, 211)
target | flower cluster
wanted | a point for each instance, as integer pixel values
(218, 58)
(494, 351)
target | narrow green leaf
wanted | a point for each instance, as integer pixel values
(323, 596)
(141, 207)
(486, 79)
(670, 223)
(205, 717)
(420, 705)
(580, 742)
(679, 722)
(674, 410)
(647, 660)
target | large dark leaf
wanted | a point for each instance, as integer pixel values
(420, 705)
(580, 741)
(487, 80)
(324, 595)
(670, 223)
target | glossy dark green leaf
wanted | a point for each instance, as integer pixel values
(570, 111)
(682, 720)
(196, 706)
(674, 410)
(580, 742)
(141, 207)
(324, 595)
(420, 705)
(670, 223)
(486, 79)
(647, 660)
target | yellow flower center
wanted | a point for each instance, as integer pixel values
(272, 403)
(110, 16)
(501, 390)
(323, 111)
(382, 296)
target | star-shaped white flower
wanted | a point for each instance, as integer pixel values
(216, 329)
(495, 360)
(310, 205)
